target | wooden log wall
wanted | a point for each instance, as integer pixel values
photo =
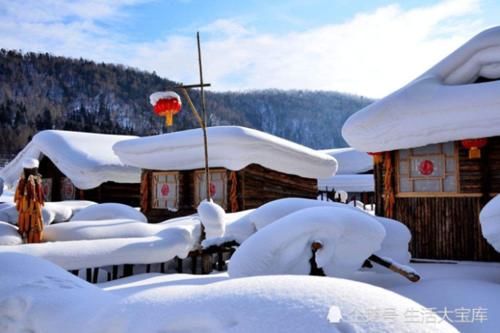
(125, 193)
(261, 185)
(448, 227)
(445, 228)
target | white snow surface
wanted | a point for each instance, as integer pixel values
(74, 205)
(10, 214)
(441, 105)
(348, 236)
(348, 183)
(350, 160)
(395, 243)
(9, 234)
(490, 222)
(102, 229)
(230, 147)
(167, 243)
(61, 211)
(212, 217)
(155, 97)
(274, 210)
(107, 211)
(36, 296)
(85, 158)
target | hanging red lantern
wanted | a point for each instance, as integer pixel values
(377, 157)
(474, 146)
(166, 104)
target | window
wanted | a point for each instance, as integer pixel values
(47, 188)
(68, 190)
(218, 187)
(432, 168)
(165, 191)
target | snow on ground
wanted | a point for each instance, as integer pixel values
(106, 211)
(36, 296)
(441, 105)
(348, 236)
(85, 158)
(9, 234)
(231, 147)
(490, 222)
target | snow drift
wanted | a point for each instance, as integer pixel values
(36, 296)
(348, 237)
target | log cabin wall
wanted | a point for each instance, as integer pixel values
(125, 193)
(255, 186)
(446, 225)
(261, 185)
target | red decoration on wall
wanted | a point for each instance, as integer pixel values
(165, 190)
(426, 167)
(213, 189)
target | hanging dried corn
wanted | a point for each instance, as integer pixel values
(29, 200)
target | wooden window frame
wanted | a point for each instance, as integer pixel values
(154, 181)
(441, 179)
(198, 177)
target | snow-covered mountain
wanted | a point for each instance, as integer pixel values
(40, 91)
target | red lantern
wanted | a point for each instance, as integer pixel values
(166, 104)
(474, 146)
(377, 157)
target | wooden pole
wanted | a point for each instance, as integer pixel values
(412, 276)
(205, 118)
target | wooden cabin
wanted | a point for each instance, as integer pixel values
(248, 168)
(58, 187)
(438, 192)
(78, 166)
(426, 139)
(167, 194)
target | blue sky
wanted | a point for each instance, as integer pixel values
(363, 47)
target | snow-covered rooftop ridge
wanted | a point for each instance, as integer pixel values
(86, 158)
(444, 104)
(230, 147)
(350, 160)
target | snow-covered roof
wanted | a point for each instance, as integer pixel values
(350, 160)
(230, 147)
(85, 158)
(348, 183)
(444, 104)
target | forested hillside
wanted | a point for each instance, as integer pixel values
(42, 91)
